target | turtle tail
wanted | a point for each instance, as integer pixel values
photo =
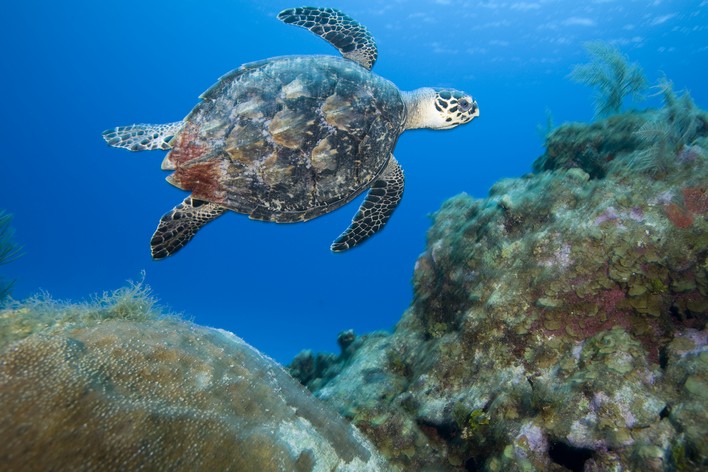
(142, 137)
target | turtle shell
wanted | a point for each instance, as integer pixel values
(288, 139)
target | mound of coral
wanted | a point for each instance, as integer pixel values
(112, 385)
(558, 324)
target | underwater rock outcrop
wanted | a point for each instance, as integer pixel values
(560, 323)
(112, 386)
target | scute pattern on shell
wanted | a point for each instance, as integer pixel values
(290, 138)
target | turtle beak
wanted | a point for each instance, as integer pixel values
(473, 110)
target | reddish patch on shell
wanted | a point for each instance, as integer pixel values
(695, 199)
(203, 179)
(188, 146)
(679, 217)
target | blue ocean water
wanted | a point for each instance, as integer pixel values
(85, 212)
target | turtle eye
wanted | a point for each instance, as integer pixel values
(464, 104)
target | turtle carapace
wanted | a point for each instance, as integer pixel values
(291, 138)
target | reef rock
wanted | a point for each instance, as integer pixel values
(560, 323)
(113, 387)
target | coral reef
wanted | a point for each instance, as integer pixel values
(648, 142)
(559, 324)
(593, 147)
(113, 385)
(610, 73)
(9, 251)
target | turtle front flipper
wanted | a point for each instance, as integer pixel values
(179, 226)
(142, 137)
(376, 209)
(343, 32)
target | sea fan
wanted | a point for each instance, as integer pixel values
(9, 251)
(611, 75)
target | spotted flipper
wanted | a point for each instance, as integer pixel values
(179, 226)
(352, 39)
(376, 209)
(143, 137)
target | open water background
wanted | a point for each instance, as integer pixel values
(85, 212)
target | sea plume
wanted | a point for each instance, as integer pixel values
(669, 133)
(610, 73)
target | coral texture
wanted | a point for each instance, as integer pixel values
(558, 324)
(110, 386)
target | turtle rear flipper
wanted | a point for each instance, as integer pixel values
(142, 137)
(179, 226)
(376, 209)
(340, 30)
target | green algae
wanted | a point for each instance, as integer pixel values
(41, 313)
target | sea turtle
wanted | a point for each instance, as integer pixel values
(291, 138)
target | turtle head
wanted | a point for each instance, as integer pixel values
(439, 108)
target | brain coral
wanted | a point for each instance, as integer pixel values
(94, 393)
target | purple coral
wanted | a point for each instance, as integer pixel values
(534, 438)
(689, 154)
(610, 214)
(561, 258)
(636, 214)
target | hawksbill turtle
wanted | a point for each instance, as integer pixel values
(291, 138)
